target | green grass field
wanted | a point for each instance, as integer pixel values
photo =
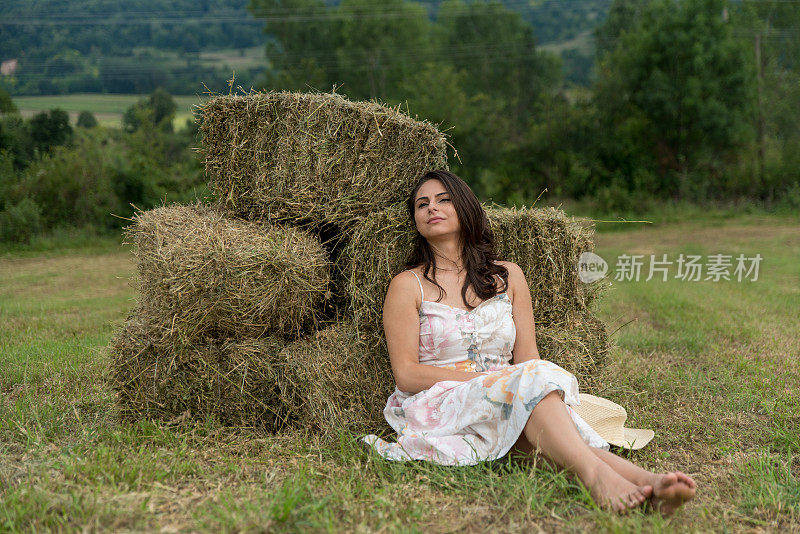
(108, 109)
(712, 367)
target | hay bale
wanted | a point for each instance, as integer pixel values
(579, 343)
(337, 378)
(325, 381)
(202, 273)
(374, 254)
(543, 242)
(156, 375)
(583, 229)
(313, 158)
(546, 244)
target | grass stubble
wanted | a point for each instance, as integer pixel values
(712, 367)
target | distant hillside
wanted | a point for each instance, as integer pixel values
(108, 26)
(69, 46)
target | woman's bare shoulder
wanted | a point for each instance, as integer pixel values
(516, 277)
(403, 287)
(513, 268)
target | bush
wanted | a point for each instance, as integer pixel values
(157, 111)
(86, 120)
(613, 199)
(7, 103)
(790, 198)
(73, 187)
(20, 222)
(8, 178)
(49, 129)
(15, 137)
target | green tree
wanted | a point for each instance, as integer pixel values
(352, 45)
(770, 32)
(86, 119)
(6, 103)
(623, 15)
(15, 138)
(475, 122)
(495, 48)
(157, 110)
(680, 83)
(49, 129)
(302, 49)
(377, 53)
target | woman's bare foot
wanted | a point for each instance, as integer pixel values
(670, 490)
(612, 491)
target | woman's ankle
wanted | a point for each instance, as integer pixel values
(593, 473)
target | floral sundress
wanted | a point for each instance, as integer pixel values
(463, 423)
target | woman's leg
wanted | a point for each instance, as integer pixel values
(670, 490)
(551, 429)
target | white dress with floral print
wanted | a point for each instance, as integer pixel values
(463, 423)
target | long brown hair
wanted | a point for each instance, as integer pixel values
(477, 239)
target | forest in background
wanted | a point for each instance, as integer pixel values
(692, 101)
(101, 46)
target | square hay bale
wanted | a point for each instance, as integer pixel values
(332, 379)
(337, 378)
(313, 158)
(156, 375)
(202, 273)
(545, 243)
(580, 344)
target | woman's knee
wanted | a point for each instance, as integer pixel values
(546, 405)
(554, 397)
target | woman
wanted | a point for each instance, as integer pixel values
(470, 383)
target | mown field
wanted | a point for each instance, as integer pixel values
(107, 109)
(712, 367)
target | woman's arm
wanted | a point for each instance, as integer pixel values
(401, 326)
(522, 309)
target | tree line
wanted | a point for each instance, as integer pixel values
(54, 176)
(69, 46)
(674, 111)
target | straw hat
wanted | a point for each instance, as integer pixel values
(608, 419)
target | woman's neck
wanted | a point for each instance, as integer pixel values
(447, 255)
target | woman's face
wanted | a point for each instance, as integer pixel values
(434, 213)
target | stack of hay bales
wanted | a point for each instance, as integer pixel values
(265, 308)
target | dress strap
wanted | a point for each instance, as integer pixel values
(420, 283)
